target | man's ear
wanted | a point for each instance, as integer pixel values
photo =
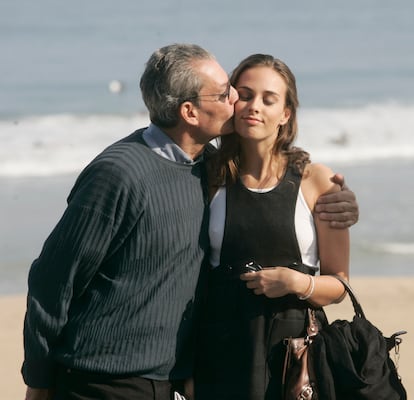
(189, 113)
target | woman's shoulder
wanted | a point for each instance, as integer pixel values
(316, 181)
(318, 170)
(319, 176)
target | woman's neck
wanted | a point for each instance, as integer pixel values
(261, 170)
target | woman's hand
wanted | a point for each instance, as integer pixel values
(276, 281)
(279, 281)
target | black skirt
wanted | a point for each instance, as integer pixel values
(240, 352)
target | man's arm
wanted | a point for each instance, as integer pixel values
(70, 258)
(39, 394)
(340, 208)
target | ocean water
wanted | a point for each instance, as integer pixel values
(354, 64)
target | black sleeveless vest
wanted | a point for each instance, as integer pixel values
(261, 226)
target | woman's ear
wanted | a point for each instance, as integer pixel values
(189, 113)
(285, 117)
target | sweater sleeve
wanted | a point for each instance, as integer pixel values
(99, 214)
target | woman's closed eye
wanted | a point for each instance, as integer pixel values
(267, 100)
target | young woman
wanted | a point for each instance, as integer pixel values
(263, 194)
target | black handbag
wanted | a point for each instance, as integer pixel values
(344, 360)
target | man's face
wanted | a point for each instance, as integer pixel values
(216, 100)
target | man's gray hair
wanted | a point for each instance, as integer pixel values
(169, 79)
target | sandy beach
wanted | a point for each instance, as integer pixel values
(386, 302)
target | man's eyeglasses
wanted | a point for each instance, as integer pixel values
(222, 97)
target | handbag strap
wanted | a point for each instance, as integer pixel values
(355, 302)
(392, 341)
(312, 325)
(312, 328)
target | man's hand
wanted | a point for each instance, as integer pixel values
(38, 394)
(189, 389)
(340, 208)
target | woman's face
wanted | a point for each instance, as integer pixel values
(260, 109)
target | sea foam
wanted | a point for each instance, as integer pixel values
(65, 143)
